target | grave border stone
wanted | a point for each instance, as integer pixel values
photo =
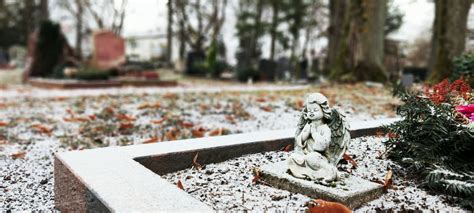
(78, 84)
(127, 178)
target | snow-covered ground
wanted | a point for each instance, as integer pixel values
(82, 119)
(228, 185)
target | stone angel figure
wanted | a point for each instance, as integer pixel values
(321, 140)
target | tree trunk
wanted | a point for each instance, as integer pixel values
(273, 29)
(28, 14)
(337, 13)
(449, 36)
(360, 54)
(44, 11)
(79, 23)
(169, 49)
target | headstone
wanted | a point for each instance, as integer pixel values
(283, 68)
(407, 80)
(266, 69)
(108, 51)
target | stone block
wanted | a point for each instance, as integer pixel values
(352, 191)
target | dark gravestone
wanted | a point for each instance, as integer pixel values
(195, 63)
(419, 73)
(48, 50)
(282, 67)
(266, 69)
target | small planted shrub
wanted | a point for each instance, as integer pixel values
(249, 73)
(91, 73)
(435, 138)
(464, 66)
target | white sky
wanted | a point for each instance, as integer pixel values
(146, 17)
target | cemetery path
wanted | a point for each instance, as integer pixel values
(36, 123)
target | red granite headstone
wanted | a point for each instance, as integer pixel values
(109, 50)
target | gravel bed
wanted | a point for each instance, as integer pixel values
(228, 185)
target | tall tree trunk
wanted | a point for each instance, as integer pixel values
(337, 13)
(28, 14)
(79, 24)
(360, 55)
(273, 29)
(169, 49)
(449, 36)
(44, 11)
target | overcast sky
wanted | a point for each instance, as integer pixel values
(146, 17)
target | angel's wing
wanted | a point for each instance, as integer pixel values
(340, 137)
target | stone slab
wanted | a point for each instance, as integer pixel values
(80, 84)
(352, 191)
(127, 178)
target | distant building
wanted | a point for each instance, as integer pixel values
(146, 48)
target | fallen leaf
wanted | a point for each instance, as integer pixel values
(204, 107)
(321, 206)
(198, 132)
(42, 129)
(379, 133)
(60, 98)
(19, 155)
(299, 104)
(2, 123)
(180, 185)
(287, 148)
(195, 163)
(219, 131)
(261, 99)
(92, 117)
(110, 110)
(172, 134)
(125, 117)
(266, 109)
(186, 124)
(126, 125)
(170, 95)
(388, 180)
(230, 118)
(257, 178)
(159, 121)
(151, 140)
(350, 160)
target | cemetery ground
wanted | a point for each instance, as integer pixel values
(36, 123)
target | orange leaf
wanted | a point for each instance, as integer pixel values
(198, 132)
(151, 140)
(125, 117)
(126, 125)
(159, 121)
(317, 206)
(19, 155)
(257, 178)
(388, 180)
(287, 148)
(195, 163)
(204, 107)
(180, 185)
(261, 100)
(60, 98)
(4, 123)
(42, 129)
(92, 117)
(110, 110)
(266, 109)
(217, 132)
(186, 124)
(230, 118)
(170, 95)
(299, 104)
(172, 134)
(350, 160)
(144, 105)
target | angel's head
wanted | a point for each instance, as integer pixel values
(316, 107)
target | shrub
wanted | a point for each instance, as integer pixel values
(464, 66)
(249, 73)
(91, 73)
(433, 142)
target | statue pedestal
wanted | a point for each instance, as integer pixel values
(352, 191)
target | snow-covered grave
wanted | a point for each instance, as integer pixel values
(129, 178)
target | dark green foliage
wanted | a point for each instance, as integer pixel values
(464, 66)
(244, 74)
(49, 50)
(394, 18)
(90, 73)
(429, 140)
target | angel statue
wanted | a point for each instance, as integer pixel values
(321, 140)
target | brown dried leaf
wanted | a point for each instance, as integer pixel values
(42, 129)
(125, 125)
(180, 185)
(319, 205)
(195, 163)
(186, 124)
(287, 148)
(266, 108)
(19, 155)
(159, 121)
(125, 117)
(350, 160)
(231, 119)
(388, 180)
(151, 140)
(3, 123)
(198, 132)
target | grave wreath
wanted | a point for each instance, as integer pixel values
(435, 138)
